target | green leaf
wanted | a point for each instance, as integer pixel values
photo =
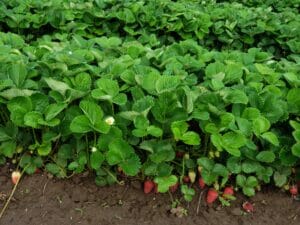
(251, 113)
(107, 89)
(101, 127)
(248, 191)
(104, 139)
(58, 86)
(17, 73)
(80, 124)
(263, 69)
(266, 156)
(206, 163)
(73, 165)
(296, 149)
(261, 125)
(83, 82)
(271, 137)
(241, 180)
(52, 168)
(295, 124)
(214, 68)
(233, 72)
(250, 166)
(234, 165)
(18, 107)
(279, 179)
(166, 84)
(143, 105)
(165, 182)
(251, 182)
(190, 138)
(96, 159)
(53, 110)
(244, 125)
(164, 169)
(296, 135)
(139, 132)
(148, 81)
(236, 97)
(188, 193)
(16, 92)
(293, 100)
(154, 131)
(119, 150)
(220, 170)
(141, 122)
(120, 99)
(178, 129)
(32, 119)
(8, 148)
(92, 111)
(39, 102)
(131, 165)
(232, 141)
(44, 149)
(227, 120)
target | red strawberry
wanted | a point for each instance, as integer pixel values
(212, 195)
(201, 183)
(228, 191)
(248, 207)
(174, 188)
(293, 190)
(179, 154)
(186, 179)
(148, 186)
(15, 176)
(37, 170)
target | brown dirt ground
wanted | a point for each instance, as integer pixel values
(40, 200)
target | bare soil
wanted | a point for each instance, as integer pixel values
(40, 200)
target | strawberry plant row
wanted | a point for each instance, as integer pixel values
(168, 112)
(214, 25)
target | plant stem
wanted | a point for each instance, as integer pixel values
(12, 193)
(113, 176)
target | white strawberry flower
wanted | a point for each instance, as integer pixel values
(94, 149)
(110, 120)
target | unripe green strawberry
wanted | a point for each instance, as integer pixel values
(192, 176)
(200, 169)
(217, 154)
(217, 186)
(186, 156)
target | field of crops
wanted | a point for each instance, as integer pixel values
(179, 94)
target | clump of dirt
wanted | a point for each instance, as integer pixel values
(40, 200)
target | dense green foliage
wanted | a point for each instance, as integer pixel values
(110, 85)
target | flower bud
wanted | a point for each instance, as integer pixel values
(110, 120)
